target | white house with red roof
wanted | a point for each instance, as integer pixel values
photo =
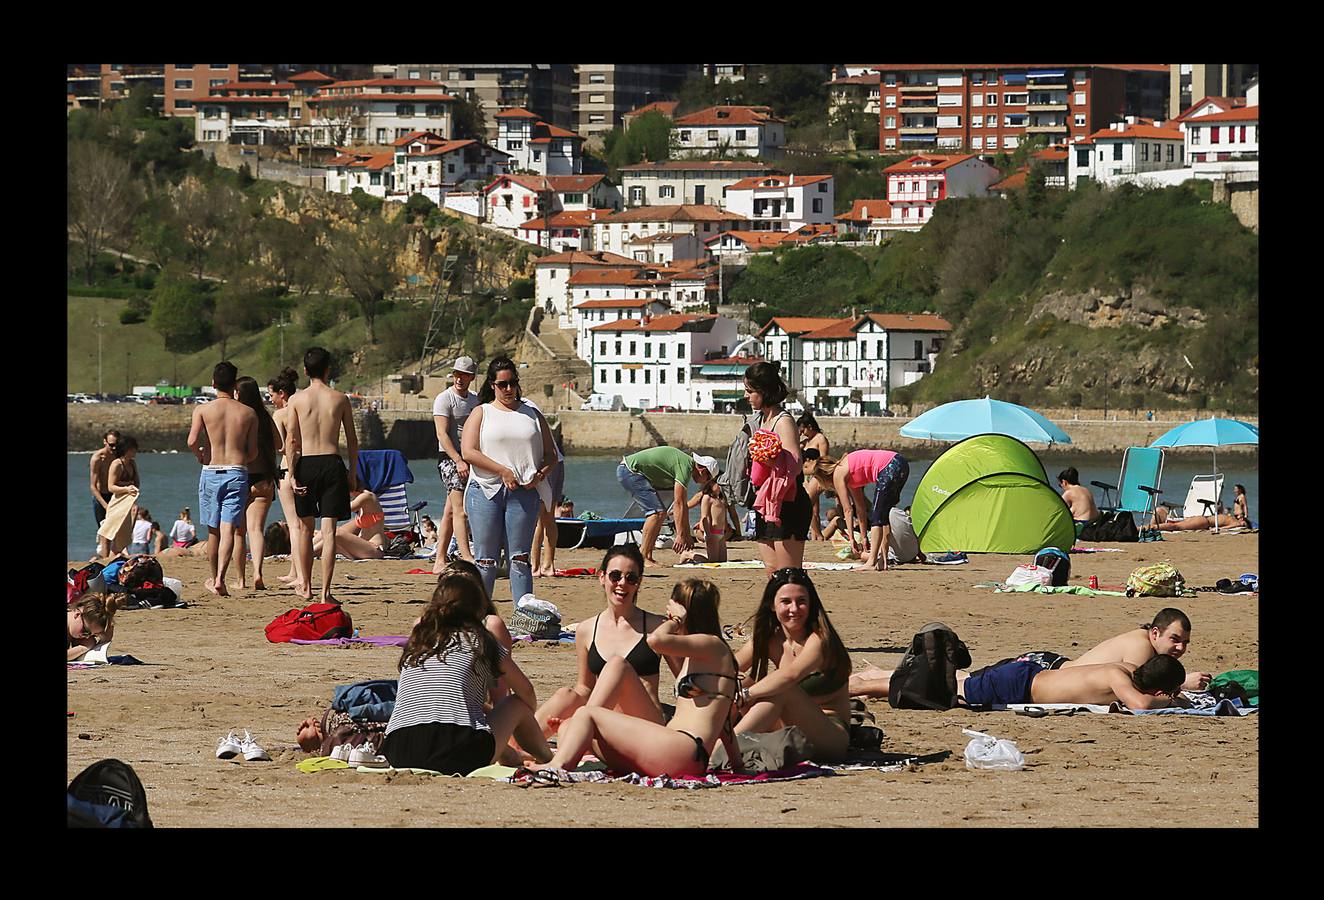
(552, 277)
(373, 172)
(866, 219)
(737, 130)
(249, 112)
(654, 360)
(737, 245)
(377, 111)
(1126, 151)
(619, 232)
(428, 164)
(782, 202)
(916, 185)
(588, 314)
(1230, 134)
(678, 182)
(562, 232)
(512, 201)
(536, 146)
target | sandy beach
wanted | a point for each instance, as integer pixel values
(209, 669)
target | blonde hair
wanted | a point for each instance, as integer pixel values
(825, 467)
(98, 609)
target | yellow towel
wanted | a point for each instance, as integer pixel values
(117, 527)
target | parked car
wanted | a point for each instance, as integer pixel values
(604, 402)
(197, 398)
(663, 409)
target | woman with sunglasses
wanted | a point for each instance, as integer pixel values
(613, 645)
(808, 686)
(510, 453)
(781, 543)
(692, 632)
(90, 621)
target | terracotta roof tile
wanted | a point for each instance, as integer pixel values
(587, 258)
(1223, 104)
(243, 100)
(639, 303)
(312, 75)
(729, 115)
(671, 322)
(572, 218)
(1242, 114)
(865, 210)
(517, 113)
(375, 97)
(665, 107)
(796, 325)
(930, 162)
(777, 181)
(1014, 180)
(254, 86)
(713, 165)
(908, 322)
(1138, 131)
(842, 328)
(701, 212)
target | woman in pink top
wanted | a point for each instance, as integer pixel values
(888, 471)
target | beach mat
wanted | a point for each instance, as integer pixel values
(1203, 704)
(595, 775)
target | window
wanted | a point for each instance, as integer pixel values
(636, 194)
(680, 376)
(889, 122)
(712, 134)
(1170, 153)
(184, 84)
(890, 101)
(1079, 76)
(296, 113)
(818, 205)
(413, 74)
(514, 145)
(977, 142)
(1158, 151)
(1082, 159)
(1080, 120)
(381, 135)
(375, 178)
(1010, 140)
(648, 376)
(889, 143)
(633, 373)
(1014, 99)
(680, 350)
(602, 347)
(976, 121)
(597, 78)
(404, 109)
(976, 99)
(1195, 136)
(1213, 134)
(991, 99)
(740, 134)
(949, 99)
(976, 77)
(219, 65)
(434, 109)
(1144, 152)
(596, 119)
(889, 79)
(661, 376)
(1117, 150)
(618, 348)
(632, 348)
(666, 191)
(215, 82)
(597, 98)
(1079, 98)
(790, 205)
(537, 155)
(661, 351)
(618, 376)
(183, 104)
(822, 187)
(450, 167)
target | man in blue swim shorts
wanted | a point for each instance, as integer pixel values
(1151, 686)
(223, 437)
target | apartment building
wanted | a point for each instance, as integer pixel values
(428, 164)
(730, 130)
(246, 112)
(1225, 135)
(552, 277)
(678, 182)
(916, 185)
(604, 92)
(543, 89)
(600, 308)
(1125, 149)
(536, 146)
(1188, 82)
(652, 361)
(176, 87)
(782, 202)
(377, 111)
(617, 232)
(992, 108)
(863, 91)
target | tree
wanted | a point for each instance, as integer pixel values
(468, 121)
(648, 137)
(292, 253)
(365, 259)
(101, 198)
(207, 216)
(180, 312)
(241, 305)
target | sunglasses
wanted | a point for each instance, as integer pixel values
(789, 571)
(87, 632)
(616, 576)
(507, 385)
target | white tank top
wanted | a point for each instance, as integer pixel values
(513, 439)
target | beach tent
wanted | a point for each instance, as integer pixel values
(990, 494)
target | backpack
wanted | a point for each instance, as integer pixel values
(87, 580)
(1159, 580)
(398, 547)
(734, 480)
(1117, 526)
(318, 622)
(141, 571)
(1238, 682)
(110, 795)
(926, 676)
(1055, 561)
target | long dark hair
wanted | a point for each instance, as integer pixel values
(456, 608)
(247, 393)
(700, 597)
(466, 569)
(487, 393)
(836, 661)
(765, 377)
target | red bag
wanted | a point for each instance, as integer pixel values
(317, 622)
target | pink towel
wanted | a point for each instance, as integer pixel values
(776, 485)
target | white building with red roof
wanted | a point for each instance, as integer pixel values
(916, 185)
(428, 164)
(562, 232)
(678, 182)
(376, 111)
(552, 277)
(1125, 150)
(512, 201)
(591, 312)
(865, 219)
(373, 172)
(535, 146)
(735, 130)
(247, 112)
(1230, 134)
(654, 360)
(619, 232)
(778, 202)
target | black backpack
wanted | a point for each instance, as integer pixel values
(734, 480)
(109, 783)
(926, 676)
(1117, 526)
(1057, 562)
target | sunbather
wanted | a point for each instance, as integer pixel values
(1151, 686)
(808, 686)
(706, 684)
(348, 543)
(1163, 522)
(1081, 501)
(449, 670)
(323, 734)
(90, 622)
(617, 633)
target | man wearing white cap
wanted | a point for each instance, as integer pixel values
(449, 411)
(648, 473)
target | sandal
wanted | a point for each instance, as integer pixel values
(527, 778)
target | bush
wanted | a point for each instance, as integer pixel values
(419, 207)
(322, 312)
(521, 289)
(365, 201)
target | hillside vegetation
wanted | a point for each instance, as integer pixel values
(1058, 298)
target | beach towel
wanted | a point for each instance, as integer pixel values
(1221, 708)
(596, 775)
(1203, 705)
(576, 572)
(117, 527)
(1062, 589)
(85, 663)
(950, 558)
(389, 640)
(1096, 549)
(565, 637)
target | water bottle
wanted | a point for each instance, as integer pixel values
(987, 752)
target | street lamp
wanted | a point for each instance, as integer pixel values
(128, 379)
(98, 326)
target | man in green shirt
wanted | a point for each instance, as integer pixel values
(648, 473)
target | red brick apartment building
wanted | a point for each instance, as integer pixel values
(989, 108)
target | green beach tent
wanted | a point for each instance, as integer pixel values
(990, 494)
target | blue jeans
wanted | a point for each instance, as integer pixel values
(507, 520)
(638, 487)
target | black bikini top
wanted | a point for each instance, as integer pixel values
(642, 658)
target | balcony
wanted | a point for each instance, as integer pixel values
(1046, 129)
(1049, 85)
(922, 107)
(909, 89)
(919, 129)
(1047, 107)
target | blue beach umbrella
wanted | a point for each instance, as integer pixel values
(961, 419)
(1212, 432)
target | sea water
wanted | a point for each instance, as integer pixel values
(170, 482)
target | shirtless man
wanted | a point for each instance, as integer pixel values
(231, 441)
(101, 496)
(318, 477)
(1081, 501)
(1151, 686)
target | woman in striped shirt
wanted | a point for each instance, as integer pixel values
(449, 669)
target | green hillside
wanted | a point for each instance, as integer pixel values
(1087, 297)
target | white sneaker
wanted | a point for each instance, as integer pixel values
(252, 752)
(363, 755)
(228, 747)
(341, 752)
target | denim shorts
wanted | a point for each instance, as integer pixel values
(638, 487)
(222, 495)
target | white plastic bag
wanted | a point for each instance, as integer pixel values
(528, 601)
(987, 752)
(175, 585)
(1030, 574)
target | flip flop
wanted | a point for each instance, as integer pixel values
(320, 764)
(536, 777)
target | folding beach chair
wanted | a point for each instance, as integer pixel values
(1138, 487)
(1204, 497)
(386, 473)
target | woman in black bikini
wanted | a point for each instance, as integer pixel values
(808, 687)
(613, 643)
(704, 691)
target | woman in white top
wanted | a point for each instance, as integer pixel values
(510, 452)
(182, 533)
(142, 532)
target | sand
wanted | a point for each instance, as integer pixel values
(210, 669)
